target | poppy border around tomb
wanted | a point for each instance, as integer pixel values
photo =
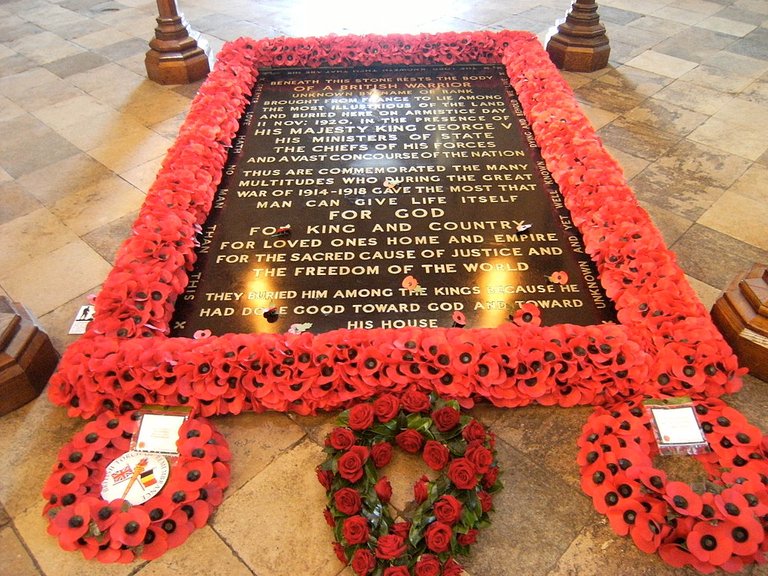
(664, 343)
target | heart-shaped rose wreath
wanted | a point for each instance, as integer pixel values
(450, 510)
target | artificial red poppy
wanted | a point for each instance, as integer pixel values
(155, 544)
(683, 499)
(130, 527)
(71, 523)
(710, 543)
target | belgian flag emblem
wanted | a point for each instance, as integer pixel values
(147, 478)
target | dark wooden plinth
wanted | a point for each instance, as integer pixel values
(741, 314)
(177, 54)
(580, 44)
(27, 357)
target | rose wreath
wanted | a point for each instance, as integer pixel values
(117, 531)
(721, 525)
(450, 510)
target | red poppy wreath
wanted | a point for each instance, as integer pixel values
(117, 531)
(449, 510)
(722, 524)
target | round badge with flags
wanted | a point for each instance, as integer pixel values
(135, 477)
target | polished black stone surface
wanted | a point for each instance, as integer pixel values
(386, 197)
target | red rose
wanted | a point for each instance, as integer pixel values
(480, 456)
(351, 463)
(452, 568)
(363, 562)
(381, 454)
(409, 440)
(396, 571)
(427, 565)
(341, 438)
(463, 474)
(420, 491)
(347, 501)
(383, 489)
(468, 539)
(340, 553)
(446, 418)
(325, 477)
(386, 407)
(329, 517)
(355, 530)
(438, 536)
(490, 477)
(448, 509)
(361, 416)
(436, 455)
(390, 546)
(415, 401)
(401, 529)
(486, 502)
(473, 431)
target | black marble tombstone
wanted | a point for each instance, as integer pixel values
(386, 197)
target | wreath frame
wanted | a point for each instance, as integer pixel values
(449, 510)
(118, 531)
(665, 341)
(721, 524)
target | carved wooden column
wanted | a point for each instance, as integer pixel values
(177, 54)
(580, 44)
(741, 314)
(27, 357)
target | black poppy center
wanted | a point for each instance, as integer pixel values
(680, 502)
(740, 534)
(76, 522)
(708, 542)
(131, 527)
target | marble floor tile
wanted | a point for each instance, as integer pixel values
(700, 99)
(272, 493)
(750, 143)
(45, 47)
(665, 116)
(689, 179)
(53, 279)
(29, 236)
(58, 322)
(76, 64)
(695, 44)
(663, 64)
(713, 257)
(706, 293)
(637, 139)
(256, 440)
(56, 181)
(101, 38)
(597, 550)
(740, 217)
(80, 108)
(129, 151)
(98, 204)
(16, 201)
(13, 556)
(725, 26)
(672, 226)
(29, 145)
(212, 557)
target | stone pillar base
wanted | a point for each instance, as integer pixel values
(741, 314)
(27, 357)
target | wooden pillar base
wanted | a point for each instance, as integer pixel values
(27, 357)
(580, 43)
(741, 314)
(177, 54)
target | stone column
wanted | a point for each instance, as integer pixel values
(177, 54)
(580, 43)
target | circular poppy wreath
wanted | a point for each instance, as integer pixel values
(117, 531)
(720, 524)
(450, 510)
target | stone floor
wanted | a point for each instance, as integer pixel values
(683, 105)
